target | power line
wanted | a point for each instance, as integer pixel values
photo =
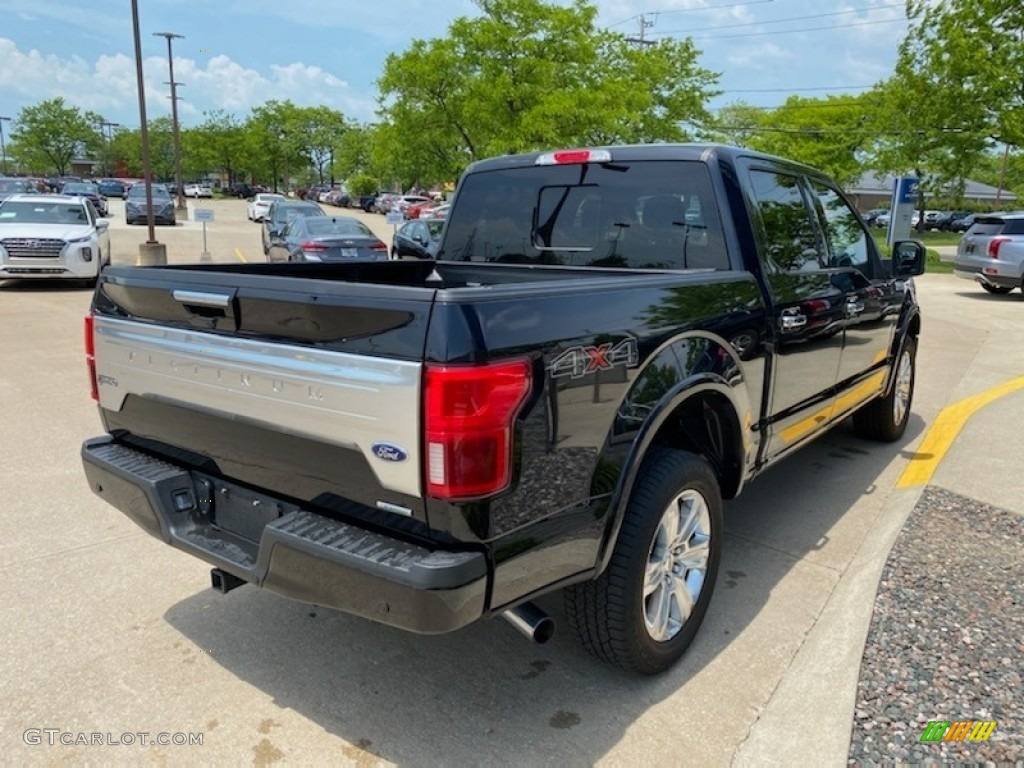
(687, 10)
(792, 31)
(787, 90)
(786, 20)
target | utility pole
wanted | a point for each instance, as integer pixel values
(104, 125)
(3, 147)
(640, 40)
(151, 251)
(174, 119)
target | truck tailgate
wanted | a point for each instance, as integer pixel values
(306, 388)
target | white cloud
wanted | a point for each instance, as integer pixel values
(108, 85)
(758, 54)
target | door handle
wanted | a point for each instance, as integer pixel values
(792, 322)
(202, 299)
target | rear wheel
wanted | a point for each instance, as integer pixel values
(997, 289)
(643, 612)
(886, 418)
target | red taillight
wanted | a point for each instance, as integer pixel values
(469, 412)
(90, 355)
(312, 246)
(995, 244)
(378, 246)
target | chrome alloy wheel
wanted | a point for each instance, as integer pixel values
(902, 393)
(677, 564)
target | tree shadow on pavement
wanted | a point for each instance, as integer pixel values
(485, 695)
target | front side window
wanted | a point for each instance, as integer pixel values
(788, 233)
(641, 215)
(847, 240)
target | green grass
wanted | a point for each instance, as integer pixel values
(930, 237)
(934, 265)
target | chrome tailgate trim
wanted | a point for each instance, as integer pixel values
(337, 398)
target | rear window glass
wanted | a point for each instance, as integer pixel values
(992, 227)
(326, 226)
(654, 215)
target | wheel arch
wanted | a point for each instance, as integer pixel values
(700, 415)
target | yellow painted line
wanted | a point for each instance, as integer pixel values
(944, 430)
(138, 261)
(240, 255)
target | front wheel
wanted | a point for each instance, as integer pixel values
(643, 612)
(997, 289)
(885, 419)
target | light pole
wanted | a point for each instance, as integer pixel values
(107, 138)
(174, 118)
(283, 137)
(151, 251)
(3, 147)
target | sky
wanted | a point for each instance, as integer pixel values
(237, 54)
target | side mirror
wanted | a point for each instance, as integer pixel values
(908, 258)
(102, 223)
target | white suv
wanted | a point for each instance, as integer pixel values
(47, 236)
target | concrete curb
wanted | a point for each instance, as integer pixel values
(809, 717)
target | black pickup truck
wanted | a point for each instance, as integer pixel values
(610, 342)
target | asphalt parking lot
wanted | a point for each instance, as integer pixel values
(107, 630)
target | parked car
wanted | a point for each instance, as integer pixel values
(313, 193)
(338, 197)
(260, 204)
(438, 212)
(47, 236)
(930, 220)
(280, 212)
(57, 183)
(882, 219)
(243, 190)
(418, 239)
(15, 186)
(136, 210)
(415, 210)
(112, 188)
(402, 203)
(89, 190)
(963, 223)
(383, 203)
(366, 202)
(992, 252)
(198, 190)
(417, 442)
(870, 216)
(326, 238)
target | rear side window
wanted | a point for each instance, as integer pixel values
(789, 236)
(640, 215)
(1004, 227)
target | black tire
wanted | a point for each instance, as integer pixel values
(997, 289)
(610, 614)
(881, 420)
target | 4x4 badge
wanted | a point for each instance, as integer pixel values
(576, 362)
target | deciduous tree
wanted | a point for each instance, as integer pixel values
(52, 133)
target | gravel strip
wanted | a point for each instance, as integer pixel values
(947, 637)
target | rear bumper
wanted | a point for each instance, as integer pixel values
(1002, 278)
(296, 553)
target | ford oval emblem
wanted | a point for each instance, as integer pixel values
(389, 452)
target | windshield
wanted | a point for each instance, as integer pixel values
(289, 212)
(139, 190)
(654, 215)
(15, 185)
(43, 213)
(80, 189)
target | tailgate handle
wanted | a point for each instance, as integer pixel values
(201, 299)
